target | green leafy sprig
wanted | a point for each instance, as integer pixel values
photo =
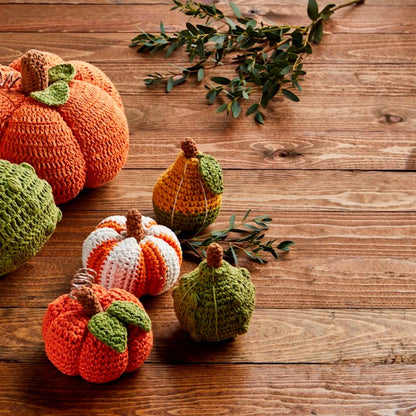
(245, 237)
(268, 58)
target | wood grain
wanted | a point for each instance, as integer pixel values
(336, 172)
(297, 148)
(370, 79)
(126, 18)
(274, 336)
(113, 47)
(270, 191)
(218, 3)
(340, 260)
(299, 390)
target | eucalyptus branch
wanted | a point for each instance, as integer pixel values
(267, 58)
(243, 238)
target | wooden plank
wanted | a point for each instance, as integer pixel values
(187, 113)
(291, 149)
(340, 260)
(270, 191)
(101, 48)
(322, 79)
(204, 389)
(372, 133)
(218, 3)
(274, 336)
(126, 18)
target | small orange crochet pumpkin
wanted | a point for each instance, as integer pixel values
(95, 333)
(134, 253)
(64, 118)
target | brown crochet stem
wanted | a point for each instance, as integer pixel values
(34, 69)
(189, 147)
(214, 255)
(134, 225)
(89, 300)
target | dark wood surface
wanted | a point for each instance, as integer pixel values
(334, 330)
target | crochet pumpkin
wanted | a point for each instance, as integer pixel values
(187, 196)
(28, 214)
(134, 253)
(64, 118)
(95, 333)
(214, 302)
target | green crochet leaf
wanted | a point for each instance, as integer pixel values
(109, 330)
(211, 173)
(55, 94)
(62, 72)
(130, 313)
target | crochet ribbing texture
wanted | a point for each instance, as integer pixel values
(80, 344)
(144, 262)
(81, 143)
(187, 196)
(214, 303)
(28, 214)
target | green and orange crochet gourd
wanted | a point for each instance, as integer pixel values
(96, 333)
(187, 196)
(28, 214)
(64, 118)
(214, 302)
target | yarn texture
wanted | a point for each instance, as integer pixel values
(64, 118)
(214, 302)
(102, 346)
(187, 196)
(134, 253)
(28, 214)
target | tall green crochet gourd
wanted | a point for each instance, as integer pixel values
(214, 302)
(28, 214)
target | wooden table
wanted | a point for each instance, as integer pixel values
(334, 330)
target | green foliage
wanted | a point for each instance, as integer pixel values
(245, 238)
(130, 313)
(267, 58)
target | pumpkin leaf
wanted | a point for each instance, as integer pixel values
(55, 94)
(130, 313)
(109, 330)
(62, 72)
(211, 172)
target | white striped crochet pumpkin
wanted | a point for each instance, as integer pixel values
(133, 253)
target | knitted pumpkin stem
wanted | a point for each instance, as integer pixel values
(89, 300)
(214, 255)
(34, 69)
(134, 225)
(189, 147)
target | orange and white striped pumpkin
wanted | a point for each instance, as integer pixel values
(133, 253)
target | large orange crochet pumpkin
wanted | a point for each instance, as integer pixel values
(96, 333)
(64, 118)
(133, 253)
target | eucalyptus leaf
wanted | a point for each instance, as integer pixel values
(265, 56)
(313, 11)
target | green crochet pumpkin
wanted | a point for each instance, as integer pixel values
(28, 214)
(214, 302)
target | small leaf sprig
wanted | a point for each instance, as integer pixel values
(245, 237)
(268, 58)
